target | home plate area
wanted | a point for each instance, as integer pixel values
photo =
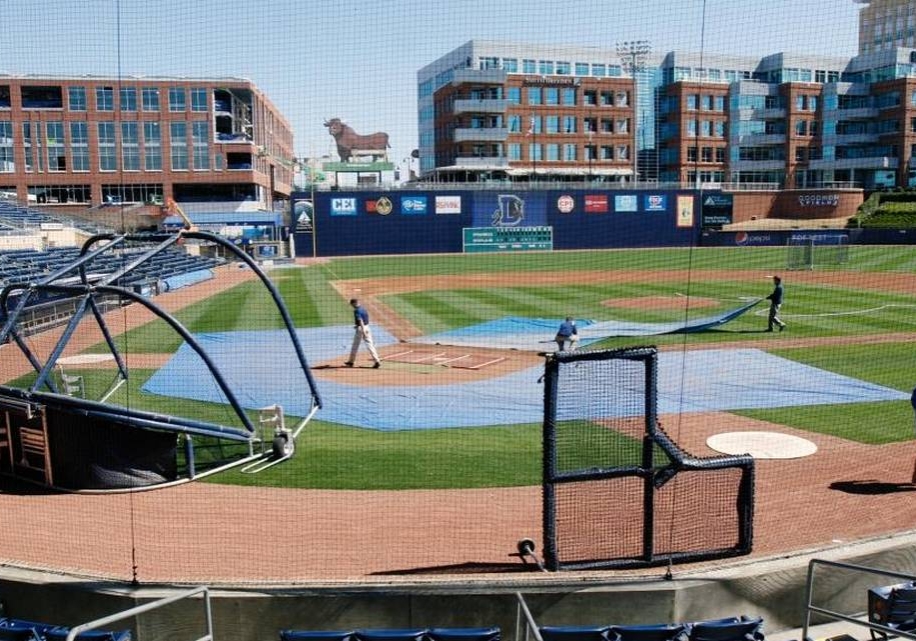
(444, 358)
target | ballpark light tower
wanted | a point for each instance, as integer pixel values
(633, 55)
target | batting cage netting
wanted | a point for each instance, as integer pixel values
(617, 491)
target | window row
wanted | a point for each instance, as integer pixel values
(705, 102)
(550, 67)
(130, 99)
(553, 152)
(568, 96)
(556, 124)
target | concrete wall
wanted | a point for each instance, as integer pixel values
(774, 589)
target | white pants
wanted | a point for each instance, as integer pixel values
(363, 334)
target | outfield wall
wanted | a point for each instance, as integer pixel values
(433, 221)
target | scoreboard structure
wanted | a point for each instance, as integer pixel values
(504, 239)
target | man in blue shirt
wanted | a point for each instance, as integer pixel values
(567, 334)
(775, 299)
(361, 332)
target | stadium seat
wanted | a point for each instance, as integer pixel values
(464, 634)
(392, 634)
(731, 629)
(893, 606)
(59, 633)
(655, 632)
(316, 635)
(19, 630)
(576, 633)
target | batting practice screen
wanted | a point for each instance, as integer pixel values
(618, 492)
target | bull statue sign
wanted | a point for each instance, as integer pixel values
(350, 143)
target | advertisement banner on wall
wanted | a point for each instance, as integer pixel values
(522, 209)
(626, 203)
(596, 204)
(685, 211)
(343, 206)
(655, 202)
(448, 204)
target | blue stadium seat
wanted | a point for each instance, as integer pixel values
(59, 633)
(19, 630)
(576, 633)
(893, 606)
(732, 629)
(654, 632)
(464, 634)
(316, 635)
(392, 634)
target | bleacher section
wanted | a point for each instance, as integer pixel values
(21, 630)
(15, 216)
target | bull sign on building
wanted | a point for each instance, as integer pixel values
(351, 144)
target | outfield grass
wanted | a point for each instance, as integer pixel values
(342, 457)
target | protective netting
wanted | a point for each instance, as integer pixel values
(119, 113)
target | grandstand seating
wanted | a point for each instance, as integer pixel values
(651, 632)
(893, 606)
(22, 630)
(575, 633)
(741, 628)
(395, 634)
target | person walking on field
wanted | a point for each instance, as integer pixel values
(567, 333)
(775, 299)
(361, 333)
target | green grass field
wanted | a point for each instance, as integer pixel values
(338, 456)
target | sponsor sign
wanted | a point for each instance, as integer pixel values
(743, 238)
(626, 203)
(655, 202)
(413, 204)
(566, 203)
(343, 206)
(596, 204)
(819, 200)
(685, 211)
(717, 210)
(380, 206)
(448, 204)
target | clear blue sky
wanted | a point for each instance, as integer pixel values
(358, 59)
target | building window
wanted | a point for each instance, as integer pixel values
(590, 98)
(706, 102)
(199, 139)
(623, 152)
(514, 123)
(128, 99)
(178, 148)
(581, 68)
(719, 128)
(79, 146)
(108, 160)
(599, 70)
(800, 154)
(510, 65)
(590, 125)
(152, 146)
(198, 99)
(552, 124)
(569, 152)
(553, 152)
(551, 96)
(534, 151)
(569, 96)
(514, 151)
(534, 125)
(150, 99)
(563, 68)
(57, 158)
(720, 154)
(529, 66)
(607, 98)
(691, 154)
(623, 125)
(607, 126)
(706, 154)
(534, 95)
(569, 124)
(130, 146)
(514, 95)
(77, 98)
(6, 147)
(104, 98)
(622, 98)
(28, 145)
(801, 128)
(607, 152)
(177, 99)
(692, 102)
(719, 103)
(545, 67)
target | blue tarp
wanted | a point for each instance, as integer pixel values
(536, 334)
(261, 369)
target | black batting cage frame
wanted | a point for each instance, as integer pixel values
(584, 523)
(69, 443)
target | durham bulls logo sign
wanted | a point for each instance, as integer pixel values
(510, 213)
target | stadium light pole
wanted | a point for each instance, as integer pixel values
(633, 55)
